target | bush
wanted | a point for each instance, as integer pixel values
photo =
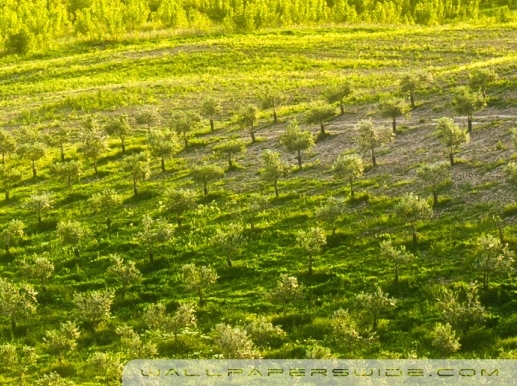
(19, 43)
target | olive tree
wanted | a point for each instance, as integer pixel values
(39, 268)
(263, 333)
(394, 108)
(480, 79)
(71, 234)
(12, 232)
(230, 149)
(412, 209)
(229, 241)
(18, 359)
(287, 291)
(348, 167)
(434, 177)
(148, 116)
(94, 307)
(63, 341)
(451, 136)
(92, 146)
(319, 114)
(106, 366)
(119, 128)
(178, 202)
(310, 242)
(273, 99)
(331, 211)
(58, 136)
(467, 103)
(234, 342)
(375, 304)
(68, 172)
(247, 118)
(345, 331)
(17, 302)
(154, 232)
(125, 273)
(106, 202)
(444, 339)
(411, 83)
(372, 137)
(53, 379)
(32, 152)
(7, 144)
(198, 279)
(396, 256)
(155, 316)
(133, 345)
(183, 123)
(40, 203)
(338, 94)
(492, 257)
(273, 168)
(210, 108)
(205, 173)
(9, 177)
(296, 140)
(137, 165)
(163, 145)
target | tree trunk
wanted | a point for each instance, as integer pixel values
(310, 264)
(108, 225)
(252, 133)
(394, 124)
(7, 251)
(62, 153)
(322, 128)
(374, 161)
(151, 255)
(275, 118)
(275, 183)
(451, 157)
(205, 189)
(13, 327)
(123, 145)
(3, 158)
(95, 168)
(333, 230)
(469, 124)
(76, 252)
(229, 261)
(230, 161)
(342, 108)
(6, 194)
(435, 198)
(374, 324)
(179, 219)
(34, 169)
(351, 187)
(135, 189)
(413, 230)
(39, 217)
(299, 159)
(200, 294)
(185, 140)
(163, 165)
(211, 124)
(412, 99)
(396, 273)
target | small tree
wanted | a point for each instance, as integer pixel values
(163, 145)
(178, 202)
(229, 241)
(58, 136)
(338, 94)
(198, 279)
(331, 211)
(206, 173)
(262, 332)
(40, 203)
(412, 209)
(32, 152)
(273, 168)
(247, 118)
(137, 165)
(372, 137)
(444, 339)
(148, 116)
(434, 177)
(374, 304)
(184, 123)
(310, 242)
(297, 140)
(106, 202)
(210, 108)
(348, 167)
(17, 302)
(19, 360)
(39, 268)
(394, 255)
(93, 145)
(107, 366)
(492, 257)
(411, 83)
(154, 232)
(125, 273)
(9, 177)
(53, 379)
(7, 144)
(12, 232)
(273, 99)
(287, 291)
(119, 128)
(234, 342)
(183, 319)
(67, 172)
(480, 79)
(394, 108)
(71, 234)
(467, 103)
(94, 306)
(345, 331)
(451, 136)
(133, 345)
(319, 114)
(230, 149)
(63, 341)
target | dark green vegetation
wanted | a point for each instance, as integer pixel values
(113, 232)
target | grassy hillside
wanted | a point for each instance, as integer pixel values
(176, 73)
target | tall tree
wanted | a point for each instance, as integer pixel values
(467, 103)
(137, 165)
(319, 114)
(480, 79)
(119, 128)
(184, 123)
(434, 177)
(394, 108)
(372, 137)
(413, 209)
(9, 177)
(273, 168)
(210, 108)
(229, 241)
(230, 149)
(348, 167)
(163, 144)
(339, 94)
(125, 273)
(247, 118)
(294, 139)
(272, 99)
(451, 136)
(205, 173)
(411, 83)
